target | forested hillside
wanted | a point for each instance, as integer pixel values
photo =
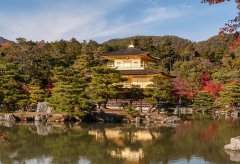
(57, 71)
(3, 40)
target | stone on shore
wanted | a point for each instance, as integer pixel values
(56, 118)
(43, 107)
(234, 145)
(9, 117)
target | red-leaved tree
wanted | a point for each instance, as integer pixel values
(183, 89)
(210, 86)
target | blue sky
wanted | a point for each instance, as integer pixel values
(107, 19)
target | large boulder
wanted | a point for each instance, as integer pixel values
(234, 144)
(10, 118)
(56, 118)
(43, 107)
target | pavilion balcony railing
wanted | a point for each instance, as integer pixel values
(112, 65)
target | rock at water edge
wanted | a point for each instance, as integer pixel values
(234, 144)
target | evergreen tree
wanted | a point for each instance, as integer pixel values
(104, 84)
(203, 101)
(12, 94)
(230, 96)
(161, 90)
(188, 53)
(167, 55)
(68, 94)
(37, 94)
(134, 93)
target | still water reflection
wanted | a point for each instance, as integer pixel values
(197, 141)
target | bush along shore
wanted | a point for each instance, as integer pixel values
(110, 116)
(44, 113)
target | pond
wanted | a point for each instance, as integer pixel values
(196, 141)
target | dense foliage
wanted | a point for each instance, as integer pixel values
(71, 76)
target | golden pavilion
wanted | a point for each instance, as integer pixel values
(132, 64)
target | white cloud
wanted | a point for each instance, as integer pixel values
(150, 17)
(83, 22)
(160, 14)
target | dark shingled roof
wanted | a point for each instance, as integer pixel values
(143, 72)
(127, 51)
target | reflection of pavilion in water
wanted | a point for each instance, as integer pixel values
(113, 134)
(128, 154)
(118, 136)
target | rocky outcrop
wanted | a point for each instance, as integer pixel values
(43, 107)
(10, 118)
(234, 144)
(56, 118)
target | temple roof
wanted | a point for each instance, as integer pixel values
(127, 51)
(130, 51)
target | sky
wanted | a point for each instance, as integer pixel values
(102, 20)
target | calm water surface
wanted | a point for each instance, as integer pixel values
(198, 141)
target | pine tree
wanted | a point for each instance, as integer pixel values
(68, 94)
(104, 84)
(167, 55)
(203, 101)
(12, 94)
(37, 94)
(160, 90)
(230, 96)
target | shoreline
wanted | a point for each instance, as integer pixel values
(106, 116)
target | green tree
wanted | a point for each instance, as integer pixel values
(86, 59)
(188, 53)
(161, 89)
(104, 85)
(68, 94)
(37, 94)
(12, 94)
(230, 95)
(134, 93)
(203, 101)
(167, 55)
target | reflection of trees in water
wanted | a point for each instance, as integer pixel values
(115, 144)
